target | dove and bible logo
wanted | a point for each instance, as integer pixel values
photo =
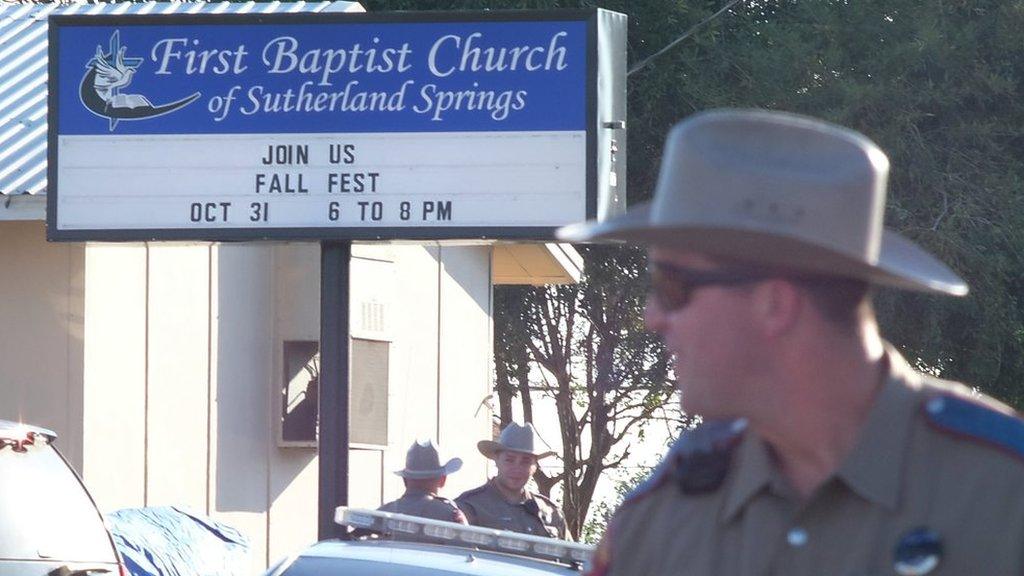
(107, 75)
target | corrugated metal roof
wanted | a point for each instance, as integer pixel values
(23, 71)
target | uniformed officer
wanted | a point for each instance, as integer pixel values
(424, 476)
(504, 502)
(824, 452)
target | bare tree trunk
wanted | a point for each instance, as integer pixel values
(605, 375)
(504, 389)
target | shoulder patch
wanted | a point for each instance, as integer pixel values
(992, 425)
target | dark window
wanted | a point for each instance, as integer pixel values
(300, 393)
(368, 392)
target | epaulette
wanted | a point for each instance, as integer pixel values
(472, 491)
(698, 461)
(457, 514)
(990, 423)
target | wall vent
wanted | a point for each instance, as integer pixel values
(373, 318)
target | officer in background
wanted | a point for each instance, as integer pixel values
(424, 476)
(504, 502)
(824, 451)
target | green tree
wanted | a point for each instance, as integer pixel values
(935, 84)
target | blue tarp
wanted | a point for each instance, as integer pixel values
(169, 541)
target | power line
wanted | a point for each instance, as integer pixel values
(685, 35)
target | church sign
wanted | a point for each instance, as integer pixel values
(334, 126)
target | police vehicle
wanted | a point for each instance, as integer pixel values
(49, 524)
(386, 543)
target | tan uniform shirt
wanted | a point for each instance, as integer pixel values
(535, 514)
(934, 485)
(425, 505)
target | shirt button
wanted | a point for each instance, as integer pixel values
(797, 537)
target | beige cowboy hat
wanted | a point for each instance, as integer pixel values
(515, 438)
(776, 189)
(422, 461)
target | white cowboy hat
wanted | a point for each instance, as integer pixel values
(422, 461)
(776, 189)
(515, 438)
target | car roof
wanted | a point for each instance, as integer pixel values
(442, 558)
(17, 430)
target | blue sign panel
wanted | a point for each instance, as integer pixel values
(326, 77)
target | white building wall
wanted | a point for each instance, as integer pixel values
(175, 393)
(115, 374)
(177, 383)
(294, 475)
(465, 354)
(241, 409)
(442, 309)
(409, 280)
(414, 364)
(41, 318)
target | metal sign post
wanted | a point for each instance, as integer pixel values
(334, 384)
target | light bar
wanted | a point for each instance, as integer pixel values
(357, 520)
(439, 532)
(476, 538)
(404, 526)
(513, 544)
(390, 523)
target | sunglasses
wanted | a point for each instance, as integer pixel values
(672, 287)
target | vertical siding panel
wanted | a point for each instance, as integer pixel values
(294, 475)
(178, 376)
(465, 350)
(242, 402)
(114, 374)
(412, 403)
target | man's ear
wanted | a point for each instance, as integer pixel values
(778, 305)
(441, 481)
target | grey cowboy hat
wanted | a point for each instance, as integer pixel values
(422, 461)
(776, 189)
(515, 438)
